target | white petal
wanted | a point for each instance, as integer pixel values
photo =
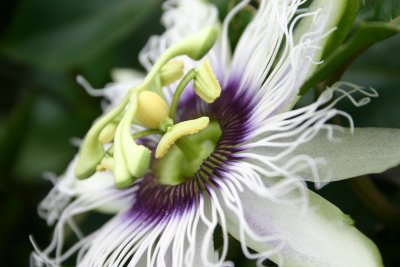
(176, 240)
(322, 237)
(346, 155)
(113, 92)
(126, 75)
(90, 192)
(273, 59)
(283, 143)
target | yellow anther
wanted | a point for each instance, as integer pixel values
(106, 164)
(108, 133)
(151, 110)
(179, 130)
(206, 85)
(171, 72)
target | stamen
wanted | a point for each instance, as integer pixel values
(92, 151)
(106, 164)
(179, 90)
(107, 133)
(206, 85)
(131, 160)
(179, 130)
(195, 47)
(151, 109)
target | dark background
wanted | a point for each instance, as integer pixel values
(44, 44)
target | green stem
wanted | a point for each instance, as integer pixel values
(188, 149)
(144, 133)
(178, 92)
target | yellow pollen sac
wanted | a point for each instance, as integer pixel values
(151, 110)
(206, 85)
(171, 72)
(179, 130)
(107, 133)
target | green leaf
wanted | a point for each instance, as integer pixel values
(387, 10)
(55, 34)
(346, 23)
(366, 35)
(379, 69)
(334, 14)
(46, 146)
(369, 150)
(380, 10)
(14, 133)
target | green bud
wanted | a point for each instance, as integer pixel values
(206, 85)
(130, 160)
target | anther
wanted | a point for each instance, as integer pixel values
(152, 109)
(206, 85)
(179, 130)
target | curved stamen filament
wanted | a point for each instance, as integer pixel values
(179, 90)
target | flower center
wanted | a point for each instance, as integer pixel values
(110, 144)
(186, 156)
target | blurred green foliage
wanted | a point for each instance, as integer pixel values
(44, 44)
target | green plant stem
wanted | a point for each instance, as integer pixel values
(190, 150)
(145, 133)
(178, 92)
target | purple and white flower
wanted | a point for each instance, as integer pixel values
(253, 182)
